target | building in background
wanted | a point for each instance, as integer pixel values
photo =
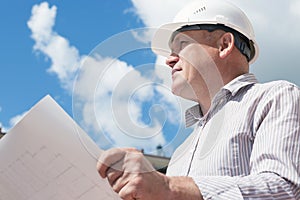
(1, 133)
(159, 163)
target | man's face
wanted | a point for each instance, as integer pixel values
(193, 63)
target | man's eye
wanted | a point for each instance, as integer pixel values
(183, 44)
(178, 46)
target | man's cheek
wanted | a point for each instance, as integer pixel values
(194, 54)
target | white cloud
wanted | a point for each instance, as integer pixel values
(156, 12)
(109, 94)
(64, 57)
(3, 129)
(295, 8)
(112, 94)
(41, 23)
(13, 121)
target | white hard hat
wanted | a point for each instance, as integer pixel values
(206, 12)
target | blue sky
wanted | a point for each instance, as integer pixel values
(24, 71)
(24, 76)
(78, 32)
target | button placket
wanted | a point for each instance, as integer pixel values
(194, 146)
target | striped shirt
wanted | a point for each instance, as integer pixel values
(247, 146)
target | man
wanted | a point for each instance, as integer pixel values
(246, 143)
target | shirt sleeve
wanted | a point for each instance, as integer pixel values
(275, 157)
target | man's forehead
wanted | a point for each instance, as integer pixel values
(180, 36)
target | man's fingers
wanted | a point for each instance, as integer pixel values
(110, 157)
(114, 172)
(128, 192)
(107, 159)
(121, 182)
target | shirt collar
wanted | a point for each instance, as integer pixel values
(194, 113)
(239, 82)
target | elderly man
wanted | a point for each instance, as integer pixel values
(246, 141)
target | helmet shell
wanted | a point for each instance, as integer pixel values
(205, 12)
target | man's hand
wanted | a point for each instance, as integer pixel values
(132, 176)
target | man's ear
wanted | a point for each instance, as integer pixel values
(226, 45)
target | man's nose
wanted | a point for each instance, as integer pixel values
(172, 60)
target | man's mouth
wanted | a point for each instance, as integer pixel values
(174, 70)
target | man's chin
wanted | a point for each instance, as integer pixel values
(184, 92)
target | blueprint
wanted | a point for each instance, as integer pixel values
(47, 156)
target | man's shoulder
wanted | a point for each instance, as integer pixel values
(276, 85)
(260, 92)
(276, 89)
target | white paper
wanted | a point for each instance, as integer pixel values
(47, 156)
